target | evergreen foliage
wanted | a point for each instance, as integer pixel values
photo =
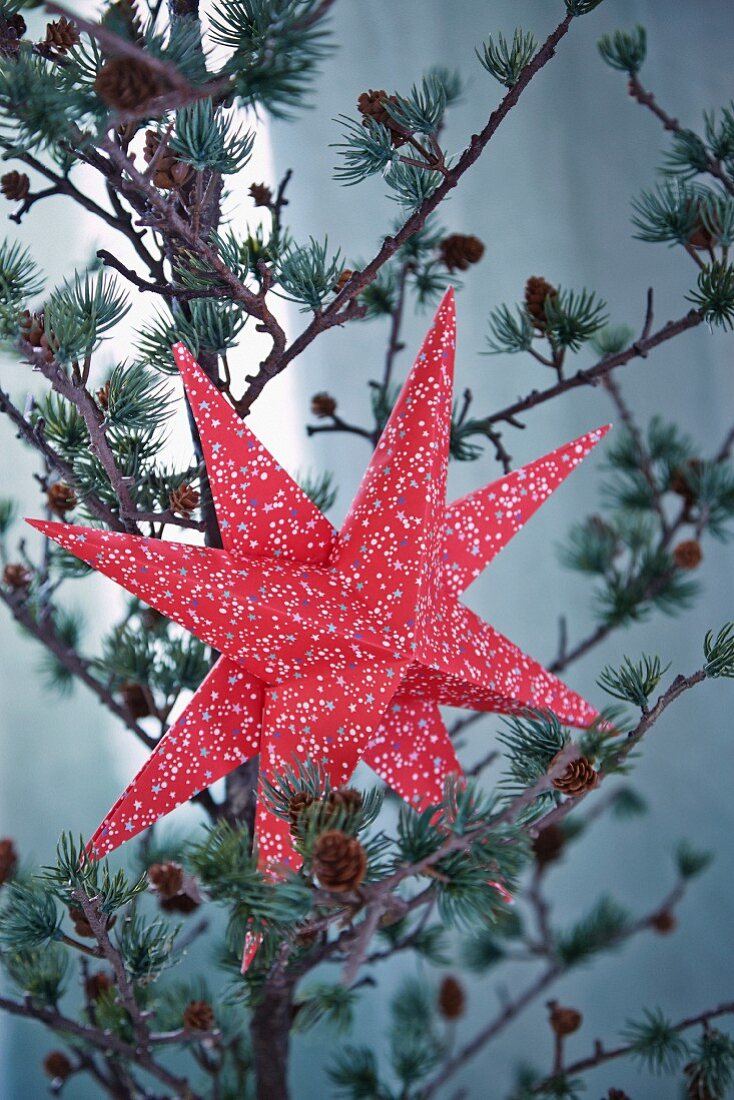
(459, 882)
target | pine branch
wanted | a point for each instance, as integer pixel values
(103, 1040)
(342, 308)
(36, 440)
(591, 376)
(647, 99)
(602, 1055)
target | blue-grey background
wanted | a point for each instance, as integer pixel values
(550, 197)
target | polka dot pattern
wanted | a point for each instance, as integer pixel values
(338, 647)
(481, 523)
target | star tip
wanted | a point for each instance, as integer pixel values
(42, 525)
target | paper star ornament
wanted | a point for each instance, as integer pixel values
(338, 646)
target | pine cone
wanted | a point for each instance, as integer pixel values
(688, 554)
(537, 290)
(371, 104)
(578, 777)
(261, 194)
(458, 251)
(62, 35)
(563, 1020)
(170, 174)
(183, 500)
(97, 984)
(617, 1094)
(664, 922)
(451, 998)
(103, 396)
(128, 84)
(135, 699)
(15, 186)
(61, 499)
(323, 405)
(57, 1065)
(339, 862)
(680, 480)
(182, 903)
(697, 1086)
(199, 1016)
(8, 859)
(12, 29)
(166, 879)
(16, 575)
(548, 845)
(82, 927)
(33, 331)
(300, 801)
(343, 279)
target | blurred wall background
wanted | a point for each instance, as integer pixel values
(551, 197)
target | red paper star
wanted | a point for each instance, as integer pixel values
(337, 647)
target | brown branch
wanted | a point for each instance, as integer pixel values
(647, 99)
(77, 665)
(166, 290)
(35, 438)
(340, 309)
(601, 1055)
(492, 1029)
(593, 375)
(75, 392)
(103, 1040)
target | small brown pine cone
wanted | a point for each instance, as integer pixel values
(371, 104)
(170, 174)
(103, 396)
(128, 84)
(97, 984)
(459, 251)
(82, 927)
(339, 862)
(343, 279)
(16, 575)
(548, 845)
(664, 922)
(15, 185)
(563, 1020)
(578, 777)
(62, 35)
(680, 480)
(135, 699)
(696, 1084)
(32, 327)
(12, 29)
(344, 798)
(537, 290)
(183, 500)
(261, 194)
(61, 499)
(199, 1016)
(451, 998)
(323, 405)
(182, 903)
(57, 1065)
(166, 879)
(702, 238)
(300, 801)
(8, 859)
(617, 1094)
(688, 554)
